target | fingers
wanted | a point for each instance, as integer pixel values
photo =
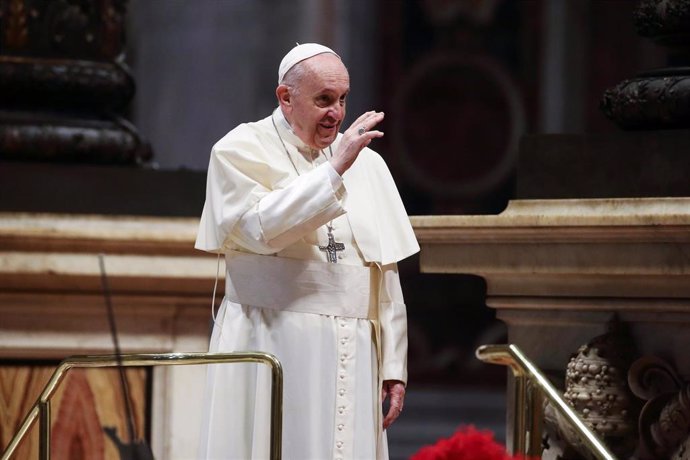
(366, 122)
(396, 391)
(391, 416)
(355, 138)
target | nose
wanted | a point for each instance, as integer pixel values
(337, 111)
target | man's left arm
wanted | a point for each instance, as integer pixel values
(393, 321)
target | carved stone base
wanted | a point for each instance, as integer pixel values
(653, 100)
(57, 137)
(64, 83)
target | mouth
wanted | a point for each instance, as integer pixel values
(329, 126)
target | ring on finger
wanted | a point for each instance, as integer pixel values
(361, 130)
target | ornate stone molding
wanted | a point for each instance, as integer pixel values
(596, 387)
(667, 22)
(654, 100)
(76, 84)
(58, 138)
(92, 30)
(571, 247)
(607, 384)
(659, 99)
(62, 74)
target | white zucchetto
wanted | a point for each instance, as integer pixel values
(300, 53)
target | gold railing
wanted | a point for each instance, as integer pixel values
(41, 409)
(530, 386)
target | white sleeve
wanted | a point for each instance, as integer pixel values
(283, 216)
(393, 320)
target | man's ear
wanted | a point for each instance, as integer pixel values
(283, 95)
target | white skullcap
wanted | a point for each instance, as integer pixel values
(300, 53)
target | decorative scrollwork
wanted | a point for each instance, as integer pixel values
(665, 21)
(596, 387)
(650, 102)
(64, 83)
(665, 418)
(73, 29)
(24, 136)
(658, 99)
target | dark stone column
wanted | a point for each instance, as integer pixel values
(649, 157)
(63, 84)
(657, 99)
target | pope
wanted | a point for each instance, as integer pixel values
(311, 227)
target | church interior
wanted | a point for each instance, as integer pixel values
(541, 149)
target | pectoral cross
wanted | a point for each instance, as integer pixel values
(332, 247)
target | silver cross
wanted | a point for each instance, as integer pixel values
(332, 247)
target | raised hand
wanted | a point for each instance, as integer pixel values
(358, 135)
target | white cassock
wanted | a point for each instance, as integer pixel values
(337, 340)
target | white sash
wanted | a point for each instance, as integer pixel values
(303, 286)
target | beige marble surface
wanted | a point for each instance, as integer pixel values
(52, 303)
(573, 212)
(605, 248)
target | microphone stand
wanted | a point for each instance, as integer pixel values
(137, 449)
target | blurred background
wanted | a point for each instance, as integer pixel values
(461, 82)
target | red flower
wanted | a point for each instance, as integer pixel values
(467, 443)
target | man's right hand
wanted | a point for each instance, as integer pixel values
(353, 142)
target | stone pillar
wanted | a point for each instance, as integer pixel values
(63, 83)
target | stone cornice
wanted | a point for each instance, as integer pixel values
(591, 248)
(640, 219)
(145, 255)
(85, 233)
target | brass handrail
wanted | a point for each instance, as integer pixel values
(527, 413)
(41, 409)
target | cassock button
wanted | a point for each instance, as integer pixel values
(339, 444)
(342, 376)
(340, 427)
(341, 391)
(341, 409)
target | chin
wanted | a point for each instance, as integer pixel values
(323, 143)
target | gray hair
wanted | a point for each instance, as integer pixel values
(295, 75)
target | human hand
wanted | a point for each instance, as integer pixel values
(394, 389)
(358, 135)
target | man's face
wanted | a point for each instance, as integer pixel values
(318, 107)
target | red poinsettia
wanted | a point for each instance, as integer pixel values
(467, 443)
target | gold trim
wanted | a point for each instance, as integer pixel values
(41, 409)
(531, 386)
